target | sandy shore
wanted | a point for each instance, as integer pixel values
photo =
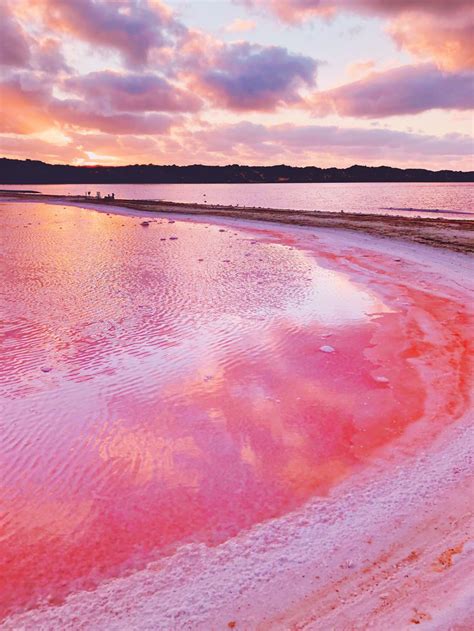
(452, 234)
(391, 548)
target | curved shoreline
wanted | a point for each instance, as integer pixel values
(392, 543)
(451, 234)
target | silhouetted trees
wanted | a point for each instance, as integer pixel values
(36, 172)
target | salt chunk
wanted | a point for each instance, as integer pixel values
(327, 349)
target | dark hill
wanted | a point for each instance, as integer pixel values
(36, 172)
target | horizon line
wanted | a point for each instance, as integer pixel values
(233, 164)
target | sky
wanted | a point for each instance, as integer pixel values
(300, 82)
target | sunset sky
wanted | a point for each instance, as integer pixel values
(323, 82)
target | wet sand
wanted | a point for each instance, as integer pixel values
(452, 234)
(391, 545)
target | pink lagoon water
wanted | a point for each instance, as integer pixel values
(452, 200)
(183, 381)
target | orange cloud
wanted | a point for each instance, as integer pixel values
(360, 69)
(24, 110)
(241, 26)
(450, 43)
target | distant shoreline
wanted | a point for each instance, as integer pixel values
(451, 234)
(37, 172)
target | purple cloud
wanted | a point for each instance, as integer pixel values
(81, 115)
(14, 48)
(245, 76)
(132, 92)
(404, 90)
(132, 27)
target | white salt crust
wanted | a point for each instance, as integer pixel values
(340, 562)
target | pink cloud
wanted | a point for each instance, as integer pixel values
(404, 90)
(81, 147)
(308, 144)
(449, 42)
(18, 49)
(131, 92)
(28, 106)
(23, 147)
(258, 144)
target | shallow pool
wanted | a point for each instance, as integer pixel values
(182, 381)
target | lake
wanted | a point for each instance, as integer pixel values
(182, 381)
(452, 200)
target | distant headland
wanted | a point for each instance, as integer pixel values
(37, 172)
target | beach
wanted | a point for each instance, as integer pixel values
(369, 523)
(451, 234)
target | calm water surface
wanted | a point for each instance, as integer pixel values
(166, 384)
(450, 200)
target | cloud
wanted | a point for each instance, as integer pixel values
(404, 90)
(121, 113)
(24, 106)
(14, 48)
(241, 26)
(131, 92)
(24, 147)
(132, 27)
(81, 148)
(310, 144)
(359, 69)
(441, 30)
(49, 57)
(296, 10)
(256, 144)
(243, 76)
(19, 50)
(28, 106)
(81, 115)
(449, 42)
(247, 142)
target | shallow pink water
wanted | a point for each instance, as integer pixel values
(165, 384)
